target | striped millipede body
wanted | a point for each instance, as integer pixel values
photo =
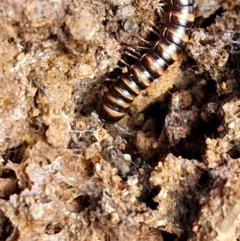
(117, 100)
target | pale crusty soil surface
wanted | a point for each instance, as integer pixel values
(169, 170)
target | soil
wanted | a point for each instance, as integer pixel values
(168, 171)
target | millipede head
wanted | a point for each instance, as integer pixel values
(109, 114)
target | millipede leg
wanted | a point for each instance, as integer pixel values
(173, 36)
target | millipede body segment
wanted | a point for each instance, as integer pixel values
(178, 19)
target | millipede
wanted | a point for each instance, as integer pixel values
(178, 18)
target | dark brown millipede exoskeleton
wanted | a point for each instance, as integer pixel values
(178, 19)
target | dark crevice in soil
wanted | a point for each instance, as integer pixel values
(147, 197)
(83, 202)
(234, 152)
(211, 19)
(6, 227)
(15, 154)
(168, 236)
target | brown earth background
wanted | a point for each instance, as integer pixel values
(169, 170)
